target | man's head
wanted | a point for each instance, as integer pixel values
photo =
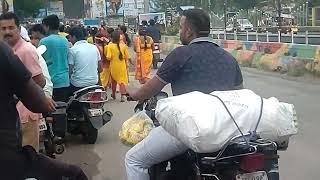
(93, 31)
(10, 28)
(51, 23)
(152, 22)
(37, 33)
(144, 23)
(110, 31)
(76, 34)
(194, 23)
(142, 32)
(123, 29)
(62, 28)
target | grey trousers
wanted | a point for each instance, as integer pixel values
(157, 147)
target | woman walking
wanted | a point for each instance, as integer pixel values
(101, 43)
(143, 47)
(118, 55)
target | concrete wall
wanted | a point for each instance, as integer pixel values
(293, 59)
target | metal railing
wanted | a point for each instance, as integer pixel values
(293, 38)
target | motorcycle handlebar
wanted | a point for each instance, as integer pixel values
(129, 98)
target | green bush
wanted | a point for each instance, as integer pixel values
(173, 28)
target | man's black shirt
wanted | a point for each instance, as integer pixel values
(200, 66)
(13, 79)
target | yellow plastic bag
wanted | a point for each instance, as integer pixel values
(135, 129)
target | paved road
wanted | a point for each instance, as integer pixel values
(104, 160)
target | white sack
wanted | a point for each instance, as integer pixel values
(202, 123)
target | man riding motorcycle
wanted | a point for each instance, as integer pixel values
(200, 65)
(84, 61)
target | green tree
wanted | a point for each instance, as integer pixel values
(245, 4)
(27, 8)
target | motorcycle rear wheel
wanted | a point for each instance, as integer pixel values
(90, 133)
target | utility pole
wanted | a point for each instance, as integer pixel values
(146, 6)
(303, 18)
(307, 13)
(279, 16)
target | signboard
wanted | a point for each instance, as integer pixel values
(6, 6)
(160, 18)
(98, 8)
(91, 22)
(133, 7)
(56, 7)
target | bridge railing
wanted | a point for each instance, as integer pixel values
(266, 36)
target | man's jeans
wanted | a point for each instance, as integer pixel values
(157, 147)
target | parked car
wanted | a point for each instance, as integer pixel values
(244, 25)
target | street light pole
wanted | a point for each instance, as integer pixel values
(307, 13)
(225, 13)
(303, 19)
(279, 16)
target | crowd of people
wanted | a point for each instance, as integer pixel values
(72, 57)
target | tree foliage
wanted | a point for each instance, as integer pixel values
(28, 7)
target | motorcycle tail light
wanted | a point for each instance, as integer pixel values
(252, 163)
(94, 96)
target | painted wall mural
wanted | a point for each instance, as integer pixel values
(293, 59)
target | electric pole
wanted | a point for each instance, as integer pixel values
(279, 16)
(225, 13)
(146, 6)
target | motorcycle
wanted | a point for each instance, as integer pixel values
(156, 55)
(83, 114)
(52, 143)
(244, 157)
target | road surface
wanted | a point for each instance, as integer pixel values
(104, 160)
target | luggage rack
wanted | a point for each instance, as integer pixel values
(251, 149)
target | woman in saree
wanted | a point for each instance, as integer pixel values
(101, 43)
(118, 56)
(143, 47)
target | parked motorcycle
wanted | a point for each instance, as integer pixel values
(52, 143)
(244, 157)
(83, 114)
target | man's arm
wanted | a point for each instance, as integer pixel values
(151, 88)
(40, 80)
(166, 74)
(99, 61)
(238, 83)
(32, 62)
(22, 84)
(71, 59)
(34, 98)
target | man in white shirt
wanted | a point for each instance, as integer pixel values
(48, 88)
(84, 61)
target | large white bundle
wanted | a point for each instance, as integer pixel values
(203, 124)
